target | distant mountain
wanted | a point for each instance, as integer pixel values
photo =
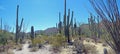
(53, 30)
(48, 31)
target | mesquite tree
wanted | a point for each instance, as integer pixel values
(108, 12)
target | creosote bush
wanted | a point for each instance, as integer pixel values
(91, 49)
(58, 41)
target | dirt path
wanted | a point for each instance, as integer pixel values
(25, 50)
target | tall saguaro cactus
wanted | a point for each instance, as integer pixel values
(67, 23)
(60, 24)
(75, 27)
(18, 28)
(32, 33)
(1, 23)
(64, 21)
(71, 23)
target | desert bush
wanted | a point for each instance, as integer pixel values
(34, 49)
(10, 51)
(104, 44)
(40, 40)
(90, 49)
(18, 47)
(57, 41)
(79, 47)
(111, 51)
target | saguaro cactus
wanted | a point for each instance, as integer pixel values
(71, 23)
(32, 33)
(1, 24)
(92, 25)
(18, 28)
(60, 24)
(98, 27)
(67, 23)
(75, 27)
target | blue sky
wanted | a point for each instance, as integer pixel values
(42, 14)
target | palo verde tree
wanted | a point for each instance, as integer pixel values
(108, 12)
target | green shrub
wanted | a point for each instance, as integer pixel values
(90, 49)
(57, 41)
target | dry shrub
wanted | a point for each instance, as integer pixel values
(34, 49)
(90, 49)
(40, 40)
(19, 47)
(111, 51)
(104, 44)
(79, 47)
(99, 41)
(10, 51)
(57, 42)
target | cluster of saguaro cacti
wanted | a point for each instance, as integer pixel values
(94, 26)
(32, 33)
(18, 28)
(67, 23)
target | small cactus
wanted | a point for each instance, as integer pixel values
(105, 51)
(32, 33)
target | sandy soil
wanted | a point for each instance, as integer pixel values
(26, 50)
(99, 46)
(68, 50)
